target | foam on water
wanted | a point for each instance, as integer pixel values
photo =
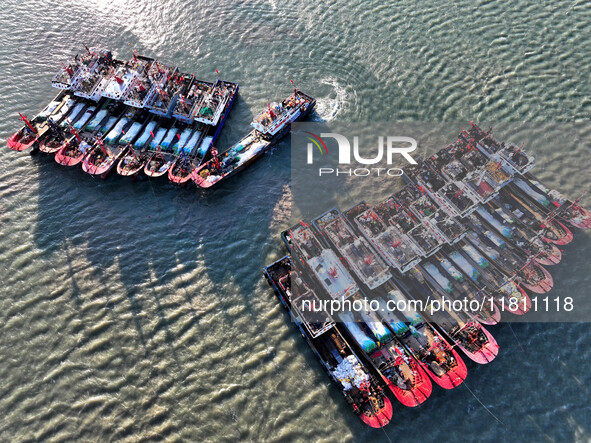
(328, 108)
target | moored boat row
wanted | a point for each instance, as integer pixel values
(144, 116)
(471, 224)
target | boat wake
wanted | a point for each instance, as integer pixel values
(341, 97)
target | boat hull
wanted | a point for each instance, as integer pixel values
(578, 217)
(16, 144)
(379, 419)
(175, 177)
(124, 170)
(494, 318)
(551, 256)
(452, 378)
(158, 169)
(420, 391)
(486, 353)
(564, 239)
(523, 304)
(50, 145)
(102, 169)
(65, 160)
(204, 183)
(541, 286)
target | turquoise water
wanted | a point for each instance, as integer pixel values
(137, 311)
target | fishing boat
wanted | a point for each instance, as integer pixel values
(270, 126)
(433, 352)
(549, 228)
(160, 158)
(468, 335)
(60, 132)
(197, 91)
(93, 78)
(66, 76)
(425, 223)
(70, 77)
(508, 295)
(345, 369)
(189, 157)
(108, 150)
(94, 124)
(164, 101)
(424, 174)
(212, 107)
(512, 260)
(396, 367)
(411, 213)
(189, 152)
(568, 210)
(369, 267)
(512, 154)
(451, 280)
(139, 153)
(388, 240)
(322, 262)
(149, 80)
(483, 175)
(122, 75)
(516, 232)
(451, 193)
(39, 126)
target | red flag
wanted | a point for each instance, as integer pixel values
(214, 157)
(23, 118)
(152, 134)
(216, 71)
(73, 131)
(68, 69)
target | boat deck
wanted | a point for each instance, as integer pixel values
(367, 265)
(323, 263)
(391, 243)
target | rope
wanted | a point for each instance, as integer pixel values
(509, 324)
(483, 405)
(382, 425)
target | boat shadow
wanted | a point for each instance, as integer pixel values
(154, 241)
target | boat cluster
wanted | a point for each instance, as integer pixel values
(470, 225)
(143, 115)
